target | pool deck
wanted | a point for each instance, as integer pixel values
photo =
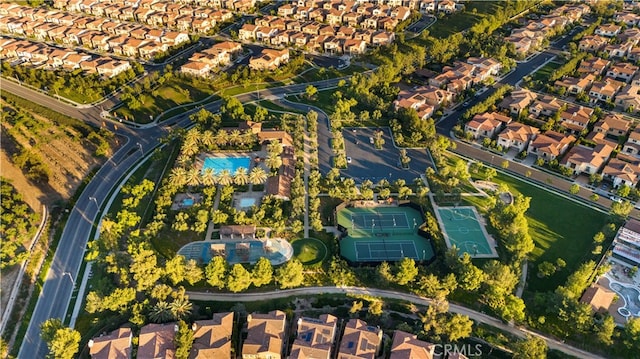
(617, 275)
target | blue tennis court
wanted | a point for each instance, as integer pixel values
(231, 164)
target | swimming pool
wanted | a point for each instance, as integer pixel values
(631, 297)
(246, 202)
(231, 164)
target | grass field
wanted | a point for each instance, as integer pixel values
(309, 251)
(560, 228)
(174, 92)
(545, 72)
(460, 21)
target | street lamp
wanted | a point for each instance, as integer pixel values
(70, 277)
(94, 201)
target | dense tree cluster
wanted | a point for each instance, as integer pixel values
(512, 226)
(18, 223)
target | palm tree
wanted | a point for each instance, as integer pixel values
(181, 307)
(208, 177)
(190, 147)
(208, 139)
(222, 137)
(234, 137)
(274, 148)
(178, 177)
(193, 135)
(225, 178)
(161, 312)
(193, 177)
(273, 161)
(257, 175)
(241, 178)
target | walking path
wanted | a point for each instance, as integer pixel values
(453, 308)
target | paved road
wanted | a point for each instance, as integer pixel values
(58, 287)
(454, 308)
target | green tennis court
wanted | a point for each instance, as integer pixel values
(383, 234)
(462, 228)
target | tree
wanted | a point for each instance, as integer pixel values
(215, 272)
(225, 178)
(598, 238)
(620, 210)
(63, 342)
(575, 188)
(457, 327)
(238, 279)
(605, 330)
(531, 348)
(183, 340)
(356, 306)
(257, 175)
(241, 177)
(375, 307)
(546, 269)
(192, 272)
(406, 271)
(632, 334)
(290, 274)
(262, 273)
(161, 312)
(310, 91)
(144, 266)
(174, 269)
(181, 307)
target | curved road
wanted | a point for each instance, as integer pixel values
(58, 287)
(60, 281)
(453, 308)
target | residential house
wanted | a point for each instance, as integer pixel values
(594, 65)
(269, 59)
(613, 125)
(621, 173)
(446, 6)
(574, 85)
(582, 159)
(518, 101)
(111, 67)
(247, 32)
(486, 124)
(315, 337)
(550, 145)
(115, 345)
(604, 90)
(608, 30)
(592, 43)
(492, 65)
(627, 243)
(628, 98)
(212, 338)
(632, 146)
(619, 50)
(629, 18)
(406, 345)
(157, 341)
(576, 118)
(623, 71)
(545, 106)
(196, 68)
(265, 336)
(517, 135)
(359, 341)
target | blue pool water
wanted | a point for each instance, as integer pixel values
(188, 202)
(247, 202)
(231, 164)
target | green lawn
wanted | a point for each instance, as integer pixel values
(460, 21)
(309, 251)
(544, 73)
(174, 92)
(560, 228)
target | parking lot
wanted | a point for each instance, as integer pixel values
(367, 162)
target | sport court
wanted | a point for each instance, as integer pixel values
(382, 234)
(461, 227)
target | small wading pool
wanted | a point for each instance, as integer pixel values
(246, 202)
(188, 202)
(231, 164)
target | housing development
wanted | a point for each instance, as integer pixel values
(327, 179)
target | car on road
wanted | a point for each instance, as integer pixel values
(348, 159)
(616, 199)
(466, 104)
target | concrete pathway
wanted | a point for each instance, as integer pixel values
(453, 308)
